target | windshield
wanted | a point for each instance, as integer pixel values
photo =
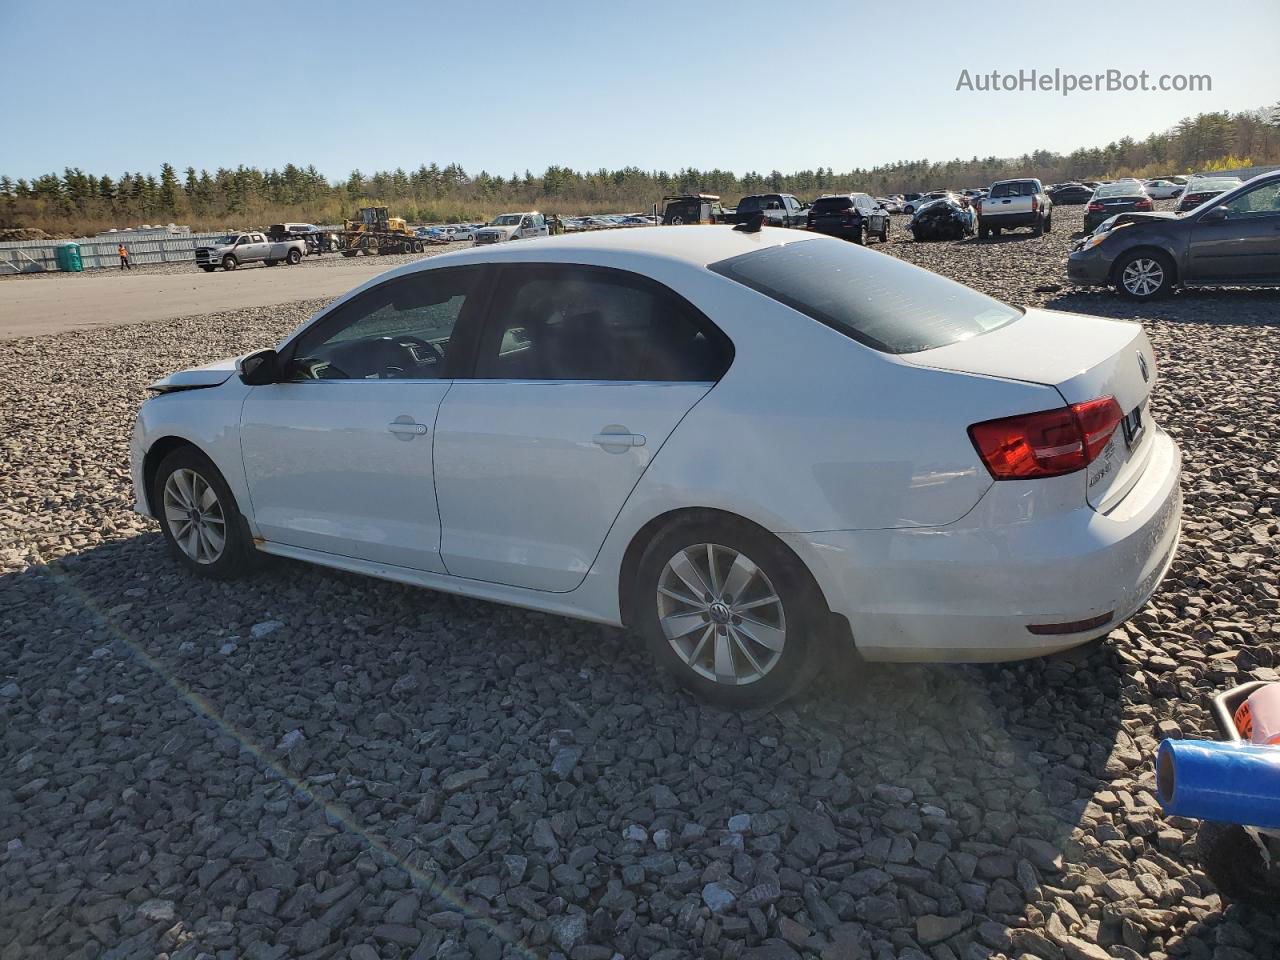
(831, 204)
(506, 220)
(228, 239)
(883, 302)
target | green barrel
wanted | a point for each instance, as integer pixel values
(69, 258)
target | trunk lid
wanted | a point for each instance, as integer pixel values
(1083, 358)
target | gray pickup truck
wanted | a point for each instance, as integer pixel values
(1015, 203)
(236, 248)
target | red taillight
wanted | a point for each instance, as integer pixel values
(1035, 203)
(1049, 443)
(1096, 207)
(1142, 205)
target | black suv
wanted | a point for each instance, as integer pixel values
(692, 208)
(1232, 239)
(850, 216)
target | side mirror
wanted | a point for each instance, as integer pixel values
(1214, 215)
(258, 369)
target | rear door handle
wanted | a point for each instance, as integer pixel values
(618, 440)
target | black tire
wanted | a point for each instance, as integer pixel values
(1037, 228)
(995, 231)
(983, 232)
(294, 257)
(208, 269)
(804, 614)
(861, 238)
(237, 555)
(1048, 223)
(1234, 863)
(1127, 275)
(884, 231)
(229, 262)
(269, 263)
(348, 253)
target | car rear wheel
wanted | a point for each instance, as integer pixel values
(199, 516)
(730, 612)
(294, 257)
(983, 232)
(884, 231)
(861, 237)
(1144, 275)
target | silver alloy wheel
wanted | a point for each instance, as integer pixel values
(1143, 276)
(721, 614)
(194, 516)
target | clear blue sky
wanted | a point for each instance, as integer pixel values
(498, 85)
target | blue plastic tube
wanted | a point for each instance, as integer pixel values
(1221, 780)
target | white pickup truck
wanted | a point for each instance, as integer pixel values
(236, 248)
(1015, 203)
(512, 226)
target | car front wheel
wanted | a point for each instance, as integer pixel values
(730, 612)
(199, 516)
(1144, 275)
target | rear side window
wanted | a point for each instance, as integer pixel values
(1021, 188)
(554, 322)
(878, 300)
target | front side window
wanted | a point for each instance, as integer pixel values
(883, 302)
(399, 330)
(1262, 200)
(576, 323)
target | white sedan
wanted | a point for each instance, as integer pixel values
(1162, 189)
(757, 450)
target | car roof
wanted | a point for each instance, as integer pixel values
(692, 245)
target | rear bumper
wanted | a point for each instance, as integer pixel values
(845, 231)
(1008, 219)
(969, 590)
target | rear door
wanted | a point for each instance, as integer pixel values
(581, 375)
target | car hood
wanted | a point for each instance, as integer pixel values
(1141, 217)
(196, 378)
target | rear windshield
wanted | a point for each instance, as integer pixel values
(754, 204)
(1020, 188)
(832, 204)
(1218, 183)
(881, 301)
(1120, 190)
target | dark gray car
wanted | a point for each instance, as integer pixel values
(1112, 198)
(1231, 240)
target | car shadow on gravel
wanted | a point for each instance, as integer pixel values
(1228, 306)
(334, 760)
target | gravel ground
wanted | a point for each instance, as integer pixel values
(188, 266)
(310, 764)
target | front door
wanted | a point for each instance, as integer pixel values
(1244, 245)
(581, 375)
(338, 456)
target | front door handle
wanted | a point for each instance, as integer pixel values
(618, 441)
(406, 429)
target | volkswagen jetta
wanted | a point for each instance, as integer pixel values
(756, 449)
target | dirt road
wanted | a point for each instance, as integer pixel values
(59, 305)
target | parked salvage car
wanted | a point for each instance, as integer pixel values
(575, 425)
(1162, 189)
(237, 248)
(1232, 240)
(1200, 189)
(1069, 194)
(1112, 198)
(1015, 203)
(779, 210)
(512, 226)
(942, 220)
(849, 216)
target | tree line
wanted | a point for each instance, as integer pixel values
(76, 202)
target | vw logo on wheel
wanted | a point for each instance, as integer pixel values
(1142, 365)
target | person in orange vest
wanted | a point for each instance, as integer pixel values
(124, 258)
